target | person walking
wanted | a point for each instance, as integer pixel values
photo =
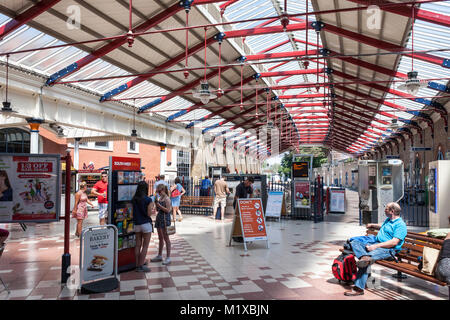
(100, 190)
(176, 192)
(80, 211)
(143, 225)
(164, 208)
(221, 191)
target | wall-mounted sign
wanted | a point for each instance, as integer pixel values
(300, 169)
(420, 149)
(30, 187)
(125, 163)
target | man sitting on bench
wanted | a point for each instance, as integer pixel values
(385, 244)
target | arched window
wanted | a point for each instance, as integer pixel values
(14, 140)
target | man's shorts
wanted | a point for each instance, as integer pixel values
(144, 228)
(102, 210)
(220, 200)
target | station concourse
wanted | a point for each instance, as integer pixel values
(137, 90)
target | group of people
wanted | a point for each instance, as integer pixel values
(165, 202)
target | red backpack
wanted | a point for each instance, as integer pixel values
(344, 267)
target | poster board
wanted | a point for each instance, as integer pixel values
(275, 203)
(98, 256)
(250, 216)
(337, 200)
(302, 194)
(33, 184)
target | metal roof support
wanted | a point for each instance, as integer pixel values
(100, 52)
(24, 17)
(406, 11)
(304, 96)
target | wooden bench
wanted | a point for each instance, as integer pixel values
(410, 255)
(197, 204)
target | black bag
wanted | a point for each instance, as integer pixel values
(344, 267)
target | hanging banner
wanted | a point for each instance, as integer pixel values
(274, 204)
(30, 187)
(301, 194)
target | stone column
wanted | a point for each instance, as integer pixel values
(34, 124)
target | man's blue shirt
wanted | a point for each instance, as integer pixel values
(391, 229)
(206, 183)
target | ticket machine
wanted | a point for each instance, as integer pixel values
(438, 193)
(380, 182)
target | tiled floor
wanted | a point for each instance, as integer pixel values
(297, 265)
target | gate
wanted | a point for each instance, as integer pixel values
(415, 206)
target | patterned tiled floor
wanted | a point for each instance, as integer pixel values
(204, 267)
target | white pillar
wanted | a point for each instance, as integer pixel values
(34, 134)
(76, 159)
(163, 159)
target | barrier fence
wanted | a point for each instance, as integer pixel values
(415, 206)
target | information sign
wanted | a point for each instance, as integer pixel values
(274, 204)
(31, 187)
(301, 196)
(300, 169)
(337, 200)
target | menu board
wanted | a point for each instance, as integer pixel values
(30, 188)
(274, 204)
(98, 253)
(252, 219)
(301, 194)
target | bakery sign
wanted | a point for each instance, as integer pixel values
(98, 253)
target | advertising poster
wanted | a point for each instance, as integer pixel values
(274, 204)
(98, 254)
(29, 188)
(337, 201)
(301, 199)
(252, 219)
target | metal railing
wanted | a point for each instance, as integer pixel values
(415, 206)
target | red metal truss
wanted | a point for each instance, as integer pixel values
(26, 16)
(150, 23)
(280, 55)
(406, 11)
(303, 96)
(291, 72)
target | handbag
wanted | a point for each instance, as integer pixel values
(170, 229)
(429, 260)
(175, 193)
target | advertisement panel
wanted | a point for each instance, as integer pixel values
(301, 194)
(98, 253)
(337, 200)
(29, 188)
(274, 204)
(252, 219)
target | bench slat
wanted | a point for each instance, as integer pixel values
(403, 267)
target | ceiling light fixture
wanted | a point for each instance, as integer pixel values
(6, 109)
(203, 93)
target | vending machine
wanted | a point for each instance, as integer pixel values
(125, 174)
(379, 182)
(439, 190)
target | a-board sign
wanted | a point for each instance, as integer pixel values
(337, 200)
(300, 169)
(252, 222)
(274, 204)
(98, 254)
(301, 194)
(31, 187)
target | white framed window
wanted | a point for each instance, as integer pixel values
(98, 145)
(132, 147)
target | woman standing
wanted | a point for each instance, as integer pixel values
(80, 211)
(143, 226)
(176, 192)
(164, 208)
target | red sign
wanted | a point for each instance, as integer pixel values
(252, 219)
(301, 196)
(126, 164)
(34, 167)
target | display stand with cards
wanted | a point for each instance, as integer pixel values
(124, 176)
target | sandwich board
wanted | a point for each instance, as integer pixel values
(275, 204)
(98, 259)
(250, 218)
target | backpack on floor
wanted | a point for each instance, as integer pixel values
(344, 267)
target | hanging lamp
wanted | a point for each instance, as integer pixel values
(134, 134)
(130, 35)
(412, 83)
(6, 109)
(203, 93)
